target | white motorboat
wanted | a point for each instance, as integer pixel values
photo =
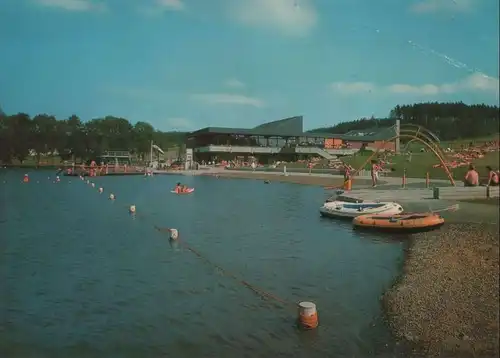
(342, 209)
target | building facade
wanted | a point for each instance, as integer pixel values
(284, 139)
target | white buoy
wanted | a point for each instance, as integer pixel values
(308, 315)
(101, 190)
(111, 196)
(132, 209)
(174, 234)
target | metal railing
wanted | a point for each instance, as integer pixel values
(117, 153)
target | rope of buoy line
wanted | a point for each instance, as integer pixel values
(245, 283)
(255, 289)
(307, 316)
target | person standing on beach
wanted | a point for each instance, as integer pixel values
(347, 172)
(374, 173)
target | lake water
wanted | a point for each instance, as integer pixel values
(83, 278)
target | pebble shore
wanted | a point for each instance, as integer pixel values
(446, 301)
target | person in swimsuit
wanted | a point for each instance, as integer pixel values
(347, 172)
(471, 177)
(374, 173)
(492, 177)
(178, 188)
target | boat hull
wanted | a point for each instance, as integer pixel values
(410, 224)
(344, 210)
(188, 191)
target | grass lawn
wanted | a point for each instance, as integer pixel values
(456, 144)
(422, 163)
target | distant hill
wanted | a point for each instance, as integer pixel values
(449, 121)
(359, 124)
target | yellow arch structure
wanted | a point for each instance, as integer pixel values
(427, 134)
(420, 128)
(437, 153)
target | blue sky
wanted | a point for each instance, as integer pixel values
(186, 64)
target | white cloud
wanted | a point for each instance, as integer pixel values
(290, 17)
(179, 123)
(476, 82)
(352, 87)
(234, 83)
(175, 5)
(160, 6)
(426, 6)
(72, 5)
(481, 82)
(227, 98)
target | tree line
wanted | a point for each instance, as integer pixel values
(449, 121)
(72, 138)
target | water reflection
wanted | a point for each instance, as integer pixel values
(383, 238)
(174, 244)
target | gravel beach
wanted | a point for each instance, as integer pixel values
(447, 299)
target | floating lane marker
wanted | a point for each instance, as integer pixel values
(307, 317)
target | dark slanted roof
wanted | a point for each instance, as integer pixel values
(371, 134)
(288, 127)
(293, 127)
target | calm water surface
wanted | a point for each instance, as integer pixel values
(82, 278)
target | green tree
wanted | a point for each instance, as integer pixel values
(142, 136)
(448, 120)
(44, 135)
(5, 140)
(19, 133)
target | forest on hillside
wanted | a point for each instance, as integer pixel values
(449, 121)
(72, 137)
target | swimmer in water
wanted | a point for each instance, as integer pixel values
(178, 188)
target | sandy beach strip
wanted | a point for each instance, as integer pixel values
(323, 180)
(446, 301)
